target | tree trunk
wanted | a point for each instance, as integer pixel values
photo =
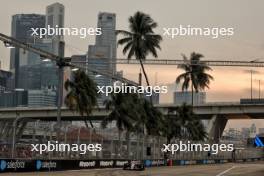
(119, 145)
(128, 144)
(146, 77)
(192, 94)
(86, 124)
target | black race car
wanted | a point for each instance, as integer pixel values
(134, 165)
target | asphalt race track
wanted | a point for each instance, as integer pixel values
(229, 169)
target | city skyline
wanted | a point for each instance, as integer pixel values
(229, 84)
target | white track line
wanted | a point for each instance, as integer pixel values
(222, 173)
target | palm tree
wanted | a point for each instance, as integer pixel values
(124, 113)
(183, 123)
(195, 74)
(141, 39)
(82, 95)
(149, 117)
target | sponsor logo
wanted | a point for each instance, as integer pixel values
(106, 163)
(87, 164)
(158, 162)
(11, 165)
(121, 163)
(3, 165)
(210, 162)
(190, 162)
(148, 163)
(45, 165)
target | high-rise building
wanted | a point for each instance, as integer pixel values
(102, 55)
(98, 58)
(41, 98)
(21, 30)
(14, 98)
(107, 23)
(38, 76)
(181, 97)
(31, 58)
(5, 81)
(55, 19)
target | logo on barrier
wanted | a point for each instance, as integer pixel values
(182, 162)
(121, 163)
(45, 164)
(87, 164)
(148, 163)
(157, 163)
(106, 163)
(12, 165)
(38, 164)
(3, 165)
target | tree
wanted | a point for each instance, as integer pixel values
(141, 39)
(149, 117)
(82, 95)
(183, 123)
(124, 112)
(195, 74)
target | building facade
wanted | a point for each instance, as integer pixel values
(181, 97)
(55, 19)
(107, 23)
(21, 30)
(42, 98)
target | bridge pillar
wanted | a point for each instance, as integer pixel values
(216, 127)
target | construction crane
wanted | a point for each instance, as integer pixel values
(225, 63)
(61, 63)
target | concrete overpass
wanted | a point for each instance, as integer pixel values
(205, 111)
(217, 113)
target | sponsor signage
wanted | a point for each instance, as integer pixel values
(46, 165)
(87, 164)
(7, 165)
(10, 165)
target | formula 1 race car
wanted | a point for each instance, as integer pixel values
(134, 165)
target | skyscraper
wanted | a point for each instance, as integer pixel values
(98, 58)
(102, 55)
(55, 19)
(21, 30)
(107, 23)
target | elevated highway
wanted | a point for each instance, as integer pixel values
(217, 113)
(205, 111)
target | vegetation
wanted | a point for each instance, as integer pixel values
(182, 123)
(140, 40)
(195, 74)
(82, 95)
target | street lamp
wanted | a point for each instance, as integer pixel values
(8, 45)
(75, 69)
(46, 60)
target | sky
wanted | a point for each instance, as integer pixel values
(230, 84)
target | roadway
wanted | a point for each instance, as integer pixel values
(229, 169)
